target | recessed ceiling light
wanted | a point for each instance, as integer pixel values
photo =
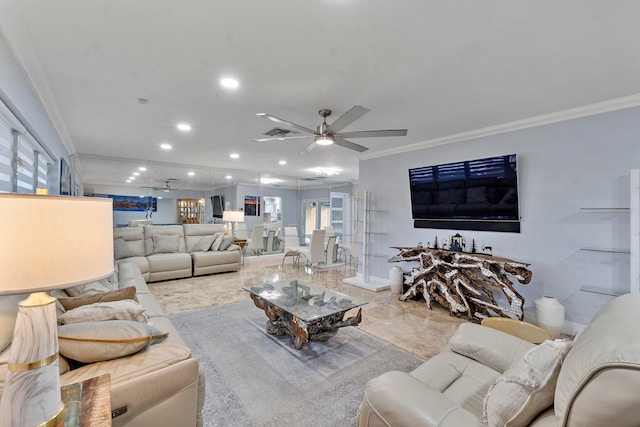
(132, 178)
(141, 196)
(128, 180)
(142, 168)
(282, 162)
(234, 155)
(160, 197)
(185, 127)
(165, 146)
(228, 177)
(229, 83)
(136, 173)
(190, 173)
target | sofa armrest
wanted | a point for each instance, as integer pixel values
(489, 346)
(399, 399)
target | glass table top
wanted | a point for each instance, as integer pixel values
(303, 300)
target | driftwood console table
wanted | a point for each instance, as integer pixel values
(474, 286)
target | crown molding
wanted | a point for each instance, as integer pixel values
(545, 119)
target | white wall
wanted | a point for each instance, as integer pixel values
(562, 167)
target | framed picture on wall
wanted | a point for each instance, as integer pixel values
(65, 178)
(252, 205)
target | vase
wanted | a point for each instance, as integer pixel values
(396, 279)
(550, 315)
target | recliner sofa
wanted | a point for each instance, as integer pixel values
(160, 385)
(598, 382)
(149, 247)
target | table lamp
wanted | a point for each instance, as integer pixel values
(48, 242)
(236, 217)
(226, 217)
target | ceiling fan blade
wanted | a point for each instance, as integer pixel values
(374, 133)
(281, 138)
(350, 145)
(347, 118)
(308, 148)
(285, 122)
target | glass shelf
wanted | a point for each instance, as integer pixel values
(611, 251)
(602, 291)
(605, 209)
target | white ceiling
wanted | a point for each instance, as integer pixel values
(437, 68)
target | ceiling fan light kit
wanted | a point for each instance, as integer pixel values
(330, 134)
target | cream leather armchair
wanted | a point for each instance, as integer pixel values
(598, 383)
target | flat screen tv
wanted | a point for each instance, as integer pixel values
(217, 204)
(477, 194)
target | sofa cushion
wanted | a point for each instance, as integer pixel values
(165, 244)
(117, 295)
(527, 388)
(488, 346)
(121, 249)
(96, 287)
(133, 237)
(90, 342)
(165, 230)
(113, 310)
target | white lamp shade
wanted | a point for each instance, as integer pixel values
(226, 216)
(236, 216)
(52, 242)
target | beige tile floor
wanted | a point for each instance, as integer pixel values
(408, 324)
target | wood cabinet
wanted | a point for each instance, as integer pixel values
(189, 211)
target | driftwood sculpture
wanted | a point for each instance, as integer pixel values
(464, 283)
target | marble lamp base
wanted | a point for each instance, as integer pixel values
(31, 393)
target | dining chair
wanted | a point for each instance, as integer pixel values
(291, 245)
(257, 240)
(314, 253)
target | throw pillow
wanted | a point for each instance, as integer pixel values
(166, 244)
(204, 243)
(113, 310)
(121, 249)
(527, 387)
(120, 294)
(91, 342)
(217, 242)
(226, 242)
(88, 289)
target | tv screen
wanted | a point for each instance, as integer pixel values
(217, 203)
(477, 194)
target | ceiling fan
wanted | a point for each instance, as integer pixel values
(326, 134)
(166, 188)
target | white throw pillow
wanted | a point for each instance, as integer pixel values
(90, 342)
(113, 310)
(204, 243)
(163, 244)
(217, 242)
(525, 389)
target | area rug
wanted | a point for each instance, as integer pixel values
(257, 379)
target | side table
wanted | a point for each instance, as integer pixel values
(87, 403)
(242, 243)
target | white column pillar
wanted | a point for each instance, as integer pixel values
(635, 231)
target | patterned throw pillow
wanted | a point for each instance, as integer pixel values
(204, 243)
(117, 295)
(226, 242)
(121, 250)
(113, 310)
(527, 387)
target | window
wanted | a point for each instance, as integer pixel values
(24, 163)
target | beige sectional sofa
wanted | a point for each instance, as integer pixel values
(165, 252)
(485, 371)
(159, 385)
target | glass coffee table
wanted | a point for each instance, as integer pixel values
(304, 311)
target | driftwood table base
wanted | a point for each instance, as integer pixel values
(464, 283)
(282, 323)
